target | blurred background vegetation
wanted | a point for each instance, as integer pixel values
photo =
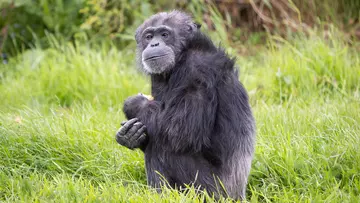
(28, 23)
(66, 66)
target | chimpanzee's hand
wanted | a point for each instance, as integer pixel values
(131, 134)
(134, 105)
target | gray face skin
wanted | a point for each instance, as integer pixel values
(161, 40)
(157, 57)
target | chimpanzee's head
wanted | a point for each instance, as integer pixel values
(162, 39)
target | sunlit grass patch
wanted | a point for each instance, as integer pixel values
(60, 109)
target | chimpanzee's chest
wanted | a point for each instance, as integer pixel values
(166, 88)
(165, 93)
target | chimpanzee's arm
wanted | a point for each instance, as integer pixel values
(133, 133)
(184, 122)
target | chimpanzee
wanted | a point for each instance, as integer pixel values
(199, 129)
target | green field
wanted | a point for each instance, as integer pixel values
(61, 107)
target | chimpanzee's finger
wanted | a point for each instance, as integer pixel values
(137, 134)
(123, 130)
(141, 139)
(122, 140)
(134, 128)
(123, 123)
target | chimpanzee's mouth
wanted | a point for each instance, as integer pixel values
(155, 57)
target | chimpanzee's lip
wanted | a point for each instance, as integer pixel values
(155, 57)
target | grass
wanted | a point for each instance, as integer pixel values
(60, 109)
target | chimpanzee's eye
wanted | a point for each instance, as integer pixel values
(149, 36)
(165, 35)
(189, 28)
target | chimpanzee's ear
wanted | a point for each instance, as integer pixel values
(193, 26)
(198, 25)
(137, 34)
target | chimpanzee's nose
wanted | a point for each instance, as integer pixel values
(155, 44)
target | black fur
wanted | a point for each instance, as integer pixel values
(200, 127)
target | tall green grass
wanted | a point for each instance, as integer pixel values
(305, 67)
(60, 109)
